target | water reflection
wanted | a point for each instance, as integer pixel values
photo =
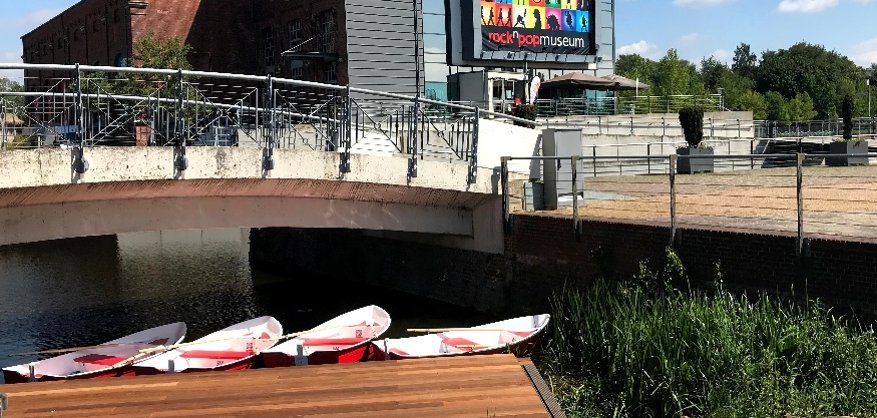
(86, 291)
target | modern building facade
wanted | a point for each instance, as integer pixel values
(368, 43)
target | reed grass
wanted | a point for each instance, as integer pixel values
(651, 347)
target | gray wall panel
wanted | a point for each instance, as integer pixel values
(381, 45)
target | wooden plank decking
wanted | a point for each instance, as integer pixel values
(478, 386)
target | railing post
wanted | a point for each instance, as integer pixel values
(3, 121)
(348, 143)
(412, 138)
(673, 161)
(574, 167)
(649, 157)
(594, 158)
(268, 151)
(181, 163)
(473, 151)
(799, 245)
(80, 165)
(504, 180)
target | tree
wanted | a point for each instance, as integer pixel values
(745, 62)
(776, 105)
(847, 114)
(800, 108)
(676, 76)
(810, 69)
(712, 71)
(15, 102)
(152, 52)
(754, 102)
(634, 66)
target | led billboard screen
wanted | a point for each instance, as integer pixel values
(539, 26)
(562, 34)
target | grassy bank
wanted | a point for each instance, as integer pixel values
(652, 348)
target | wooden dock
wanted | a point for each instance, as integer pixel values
(477, 386)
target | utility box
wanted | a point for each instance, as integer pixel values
(557, 173)
(534, 196)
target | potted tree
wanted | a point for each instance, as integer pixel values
(848, 144)
(691, 119)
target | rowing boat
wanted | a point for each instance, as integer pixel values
(112, 358)
(343, 339)
(517, 335)
(232, 348)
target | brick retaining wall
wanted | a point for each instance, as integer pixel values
(542, 253)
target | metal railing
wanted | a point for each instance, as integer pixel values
(79, 106)
(627, 105)
(827, 127)
(799, 200)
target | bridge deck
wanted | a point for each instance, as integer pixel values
(481, 386)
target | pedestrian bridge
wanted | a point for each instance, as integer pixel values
(134, 189)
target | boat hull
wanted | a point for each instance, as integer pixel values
(522, 349)
(356, 354)
(11, 377)
(245, 364)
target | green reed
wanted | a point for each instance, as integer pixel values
(647, 349)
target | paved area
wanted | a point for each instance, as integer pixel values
(839, 202)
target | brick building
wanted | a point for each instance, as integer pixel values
(368, 43)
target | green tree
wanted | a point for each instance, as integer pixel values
(152, 52)
(634, 66)
(676, 76)
(712, 71)
(776, 105)
(14, 102)
(811, 69)
(754, 102)
(800, 108)
(745, 62)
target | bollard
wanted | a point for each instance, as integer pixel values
(171, 366)
(300, 358)
(32, 376)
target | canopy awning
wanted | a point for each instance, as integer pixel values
(608, 83)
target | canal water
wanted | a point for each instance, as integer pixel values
(86, 291)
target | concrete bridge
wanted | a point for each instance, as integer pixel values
(132, 189)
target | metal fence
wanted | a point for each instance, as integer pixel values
(82, 106)
(627, 105)
(827, 127)
(803, 200)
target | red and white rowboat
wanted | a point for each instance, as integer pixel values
(232, 348)
(109, 359)
(343, 339)
(513, 335)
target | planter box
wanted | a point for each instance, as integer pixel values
(860, 147)
(694, 165)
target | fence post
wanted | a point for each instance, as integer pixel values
(594, 158)
(799, 245)
(80, 165)
(268, 151)
(345, 156)
(673, 160)
(649, 157)
(504, 180)
(3, 121)
(473, 151)
(181, 163)
(412, 138)
(574, 167)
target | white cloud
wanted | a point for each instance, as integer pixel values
(29, 21)
(642, 48)
(699, 3)
(723, 55)
(690, 38)
(865, 52)
(806, 6)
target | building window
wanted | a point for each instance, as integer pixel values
(296, 70)
(268, 42)
(294, 33)
(327, 31)
(330, 73)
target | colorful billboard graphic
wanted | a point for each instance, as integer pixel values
(551, 26)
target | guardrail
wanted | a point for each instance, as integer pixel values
(800, 200)
(79, 106)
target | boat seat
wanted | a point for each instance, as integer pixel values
(216, 355)
(100, 359)
(461, 343)
(335, 342)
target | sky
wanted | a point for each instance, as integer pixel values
(696, 28)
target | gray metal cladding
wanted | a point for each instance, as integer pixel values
(381, 44)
